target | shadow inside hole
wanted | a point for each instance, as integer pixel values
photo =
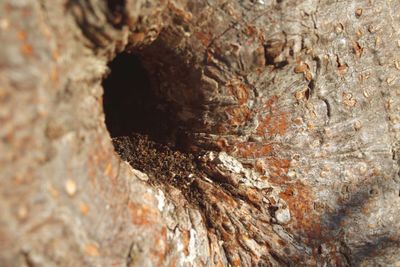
(130, 106)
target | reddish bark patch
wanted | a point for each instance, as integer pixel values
(239, 91)
(185, 239)
(27, 49)
(252, 150)
(204, 38)
(300, 199)
(142, 214)
(273, 123)
(160, 249)
(238, 115)
(278, 169)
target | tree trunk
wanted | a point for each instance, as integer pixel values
(199, 133)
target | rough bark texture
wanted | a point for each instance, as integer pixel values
(285, 114)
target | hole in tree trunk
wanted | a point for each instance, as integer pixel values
(143, 126)
(129, 103)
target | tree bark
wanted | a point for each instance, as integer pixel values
(277, 143)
